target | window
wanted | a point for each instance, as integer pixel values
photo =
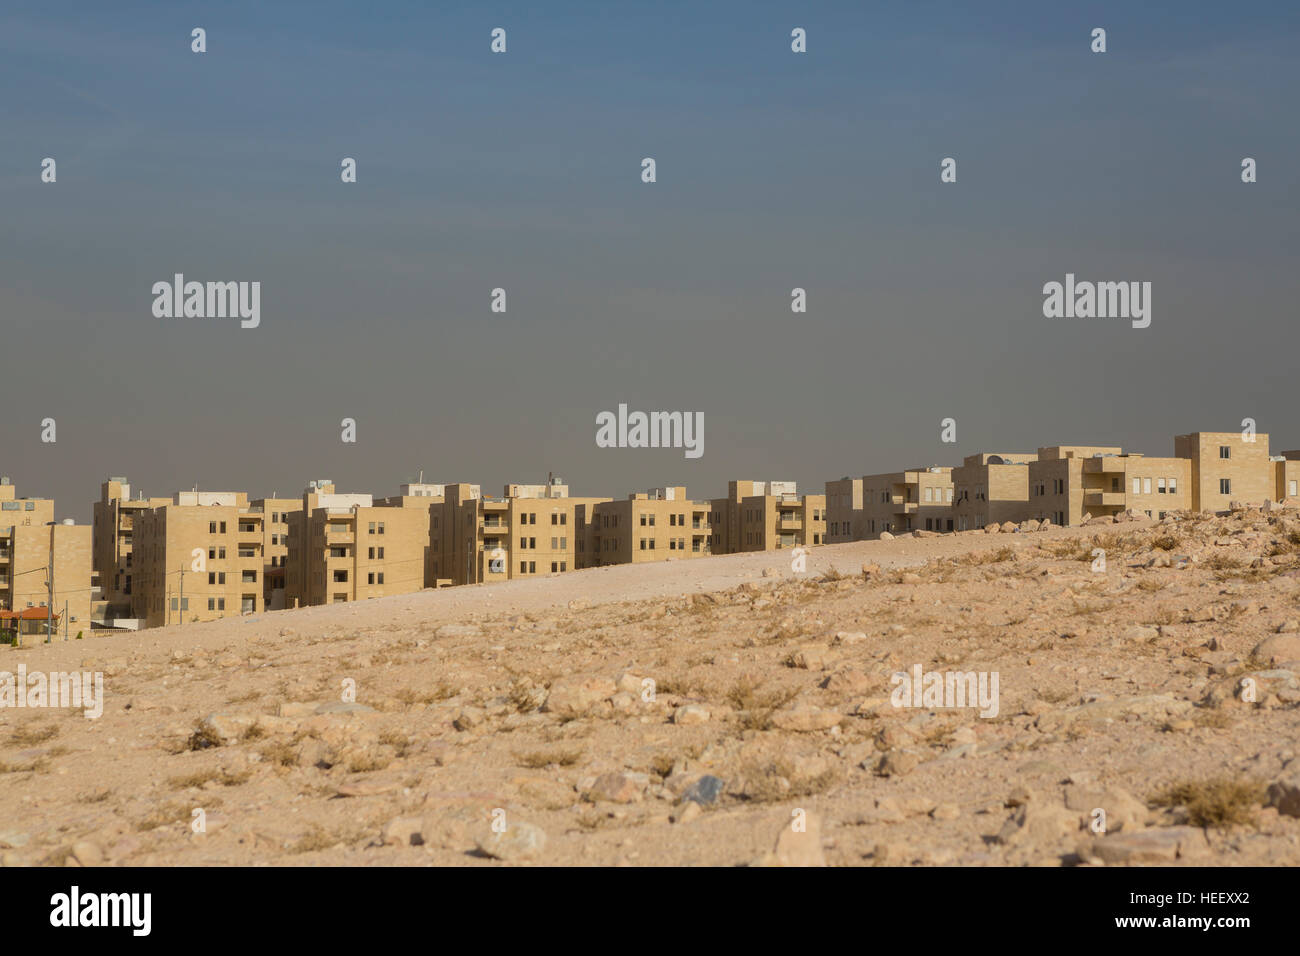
(929, 492)
(371, 529)
(381, 554)
(532, 543)
(949, 495)
(1146, 486)
(555, 518)
(532, 567)
(555, 544)
(381, 527)
(523, 567)
(564, 544)
(1291, 489)
(523, 543)
(212, 529)
(1160, 486)
(1225, 451)
(1225, 486)
(1173, 486)
(371, 554)
(555, 566)
(564, 565)
(1137, 486)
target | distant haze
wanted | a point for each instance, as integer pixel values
(775, 170)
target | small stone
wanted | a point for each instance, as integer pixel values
(614, 788)
(690, 714)
(403, 831)
(703, 791)
(87, 853)
(519, 841)
(945, 811)
(897, 763)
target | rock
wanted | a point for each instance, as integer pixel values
(1123, 810)
(1156, 845)
(703, 791)
(1140, 632)
(1102, 519)
(1289, 626)
(469, 717)
(897, 763)
(1040, 824)
(87, 853)
(690, 714)
(992, 529)
(685, 814)
(909, 577)
(614, 788)
(870, 570)
(770, 572)
(1280, 647)
(1029, 525)
(886, 536)
(630, 683)
(1283, 794)
(806, 718)
(519, 841)
(579, 604)
(574, 697)
(945, 811)
(849, 681)
(223, 729)
(403, 831)
(849, 638)
(14, 839)
(1008, 527)
(798, 847)
(813, 657)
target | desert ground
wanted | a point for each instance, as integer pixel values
(720, 711)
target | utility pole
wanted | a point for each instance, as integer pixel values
(180, 604)
(65, 621)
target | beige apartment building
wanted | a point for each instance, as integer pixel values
(1227, 468)
(1286, 475)
(33, 546)
(844, 510)
(990, 488)
(345, 547)
(198, 558)
(1067, 482)
(113, 520)
(919, 499)
(661, 524)
(276, 518)
(766, 516)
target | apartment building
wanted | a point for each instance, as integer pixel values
(1226, 467)
(33, 546)
(766, 516)
(1067, 482)
(662, 524)
(1286, 475)
(276, 518)
(198, 558)
(919, 499)
(113, 521)
(844, 510)
(345, 547)
(990, 488)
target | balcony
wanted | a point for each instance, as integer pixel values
(1103, 499)
(1112, 464)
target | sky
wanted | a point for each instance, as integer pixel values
(522, 171)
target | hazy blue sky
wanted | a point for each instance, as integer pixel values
(522, 171)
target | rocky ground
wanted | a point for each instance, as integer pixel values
(721, 711)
